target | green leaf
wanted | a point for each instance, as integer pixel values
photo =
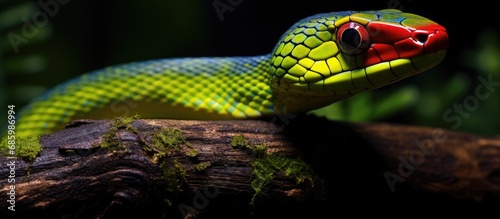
(400, 100)
(364, 106)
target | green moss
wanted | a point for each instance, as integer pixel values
(241, 142)
(192, 152)
(202, 166)
(26, 148)
(293, 168)
(160, 144)
(174, 175)
(168, 138)
(266, 166)
(126, 122)
(263, 176)
(167, 141)
(28, 173)
(117, 124)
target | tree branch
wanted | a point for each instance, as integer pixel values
(249, 168)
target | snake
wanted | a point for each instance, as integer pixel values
(319, 60)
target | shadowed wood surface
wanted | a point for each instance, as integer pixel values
(353, 164)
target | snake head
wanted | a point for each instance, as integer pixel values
(332, 56)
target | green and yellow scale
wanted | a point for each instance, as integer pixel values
(319, 60)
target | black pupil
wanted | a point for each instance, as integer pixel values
(351, 38)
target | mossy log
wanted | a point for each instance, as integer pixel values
(307, 166)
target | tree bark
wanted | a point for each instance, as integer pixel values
(88, 171)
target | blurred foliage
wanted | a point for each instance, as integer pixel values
(367, 107)
(16, 65)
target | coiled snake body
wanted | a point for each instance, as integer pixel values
(319, 60)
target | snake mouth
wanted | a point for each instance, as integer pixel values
(405, 42)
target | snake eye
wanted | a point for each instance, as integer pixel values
(353, 38)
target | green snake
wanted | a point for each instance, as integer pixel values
(320, 60)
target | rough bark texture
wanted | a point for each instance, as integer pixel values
(354, 166)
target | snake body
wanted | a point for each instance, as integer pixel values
(319, 60)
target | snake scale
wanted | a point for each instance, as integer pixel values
(321, 59)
